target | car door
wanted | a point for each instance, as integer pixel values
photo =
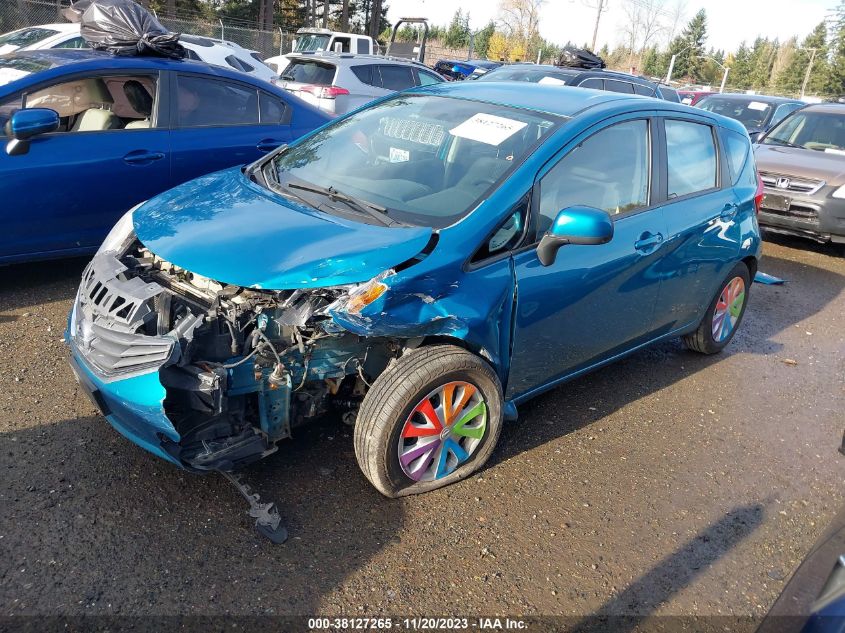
(592, 302)
(219, 123)
(703, 241)
(67, 191)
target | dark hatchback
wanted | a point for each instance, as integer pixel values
(595, 78)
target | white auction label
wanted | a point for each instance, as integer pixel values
(487, 128)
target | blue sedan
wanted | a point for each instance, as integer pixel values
(92, 135)
(419, 268)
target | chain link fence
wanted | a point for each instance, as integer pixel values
(17, 14)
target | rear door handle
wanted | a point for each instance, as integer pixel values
(142, 157)
(648, 241)
(268, 144)
(728, 212)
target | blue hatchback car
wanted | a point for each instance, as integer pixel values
(91, 135)
(418, 268)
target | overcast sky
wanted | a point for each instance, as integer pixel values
(729, 22)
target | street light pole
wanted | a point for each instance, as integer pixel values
(724, 79)
(809, 68)
(598, 19)
(671, 68)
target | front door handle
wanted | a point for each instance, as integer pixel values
(648, 241)
(268, 144)
(142, 157)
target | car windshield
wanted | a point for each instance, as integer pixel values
(421, 159)
(821, 131)
(12, 68)
(529, 74)
(750, 112)
(311, 42)
(24, 37)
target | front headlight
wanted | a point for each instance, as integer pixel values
(120, 233)
(839, 193)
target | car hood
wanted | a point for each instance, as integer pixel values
(227, 228)
(803, 163)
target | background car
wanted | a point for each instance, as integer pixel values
(692, 97)
(802, 164)
(217, 52)
(339, 83)
(59, 35)
(596, 79)
(757, 113)
(462, 69)
(94, 134)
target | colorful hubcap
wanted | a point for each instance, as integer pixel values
(443, 431)
(728, 309)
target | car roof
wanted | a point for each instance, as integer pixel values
(83, 59)
(738, 96)
(827, 108)
(62, 27)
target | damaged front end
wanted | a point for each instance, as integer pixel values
(235, 369)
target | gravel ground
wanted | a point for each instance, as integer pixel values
(669, 483)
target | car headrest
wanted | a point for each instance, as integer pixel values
(138, 97)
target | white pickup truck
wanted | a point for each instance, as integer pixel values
(312, 40)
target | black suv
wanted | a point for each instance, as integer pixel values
(593, 78)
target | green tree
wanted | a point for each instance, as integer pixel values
(481, 43)
(457, 34)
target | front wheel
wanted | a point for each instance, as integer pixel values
(430, 419)
(724, 314)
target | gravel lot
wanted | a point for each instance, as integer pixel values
(669, 483)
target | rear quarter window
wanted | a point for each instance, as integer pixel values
(365, 75)
(738, 149)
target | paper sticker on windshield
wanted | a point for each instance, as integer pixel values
(757, 105)
(487, 128)
(552, 81)
(8, 75)
(399, 155)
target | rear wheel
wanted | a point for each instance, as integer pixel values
(723, 315)
(432, 418)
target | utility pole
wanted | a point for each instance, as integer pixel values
(601, 6)
(724, 79)
(809, 68)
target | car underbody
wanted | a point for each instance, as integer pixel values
(241, 367)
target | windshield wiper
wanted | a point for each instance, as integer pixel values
(375, 211)
(782, 142)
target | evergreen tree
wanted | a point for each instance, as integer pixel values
(481, 44)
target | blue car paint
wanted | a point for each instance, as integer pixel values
(63, 196)
(504, 309)
(133, 406)
(291, 245)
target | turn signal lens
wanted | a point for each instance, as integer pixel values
(364, 296)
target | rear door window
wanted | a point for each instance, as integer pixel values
(396, 77)
(306, 71)
(593, 82)
(614, 85)
(202, 102)
(691, 157)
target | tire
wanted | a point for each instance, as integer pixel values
(391, 414)
(718, 327)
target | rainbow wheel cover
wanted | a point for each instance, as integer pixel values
(443, 431)
(728, 309)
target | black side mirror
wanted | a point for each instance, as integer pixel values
(575, 225)
(27, 123)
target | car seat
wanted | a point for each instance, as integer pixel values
(141, 102)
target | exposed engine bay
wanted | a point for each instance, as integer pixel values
(241, 367)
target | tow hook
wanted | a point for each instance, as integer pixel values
(268, 521)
